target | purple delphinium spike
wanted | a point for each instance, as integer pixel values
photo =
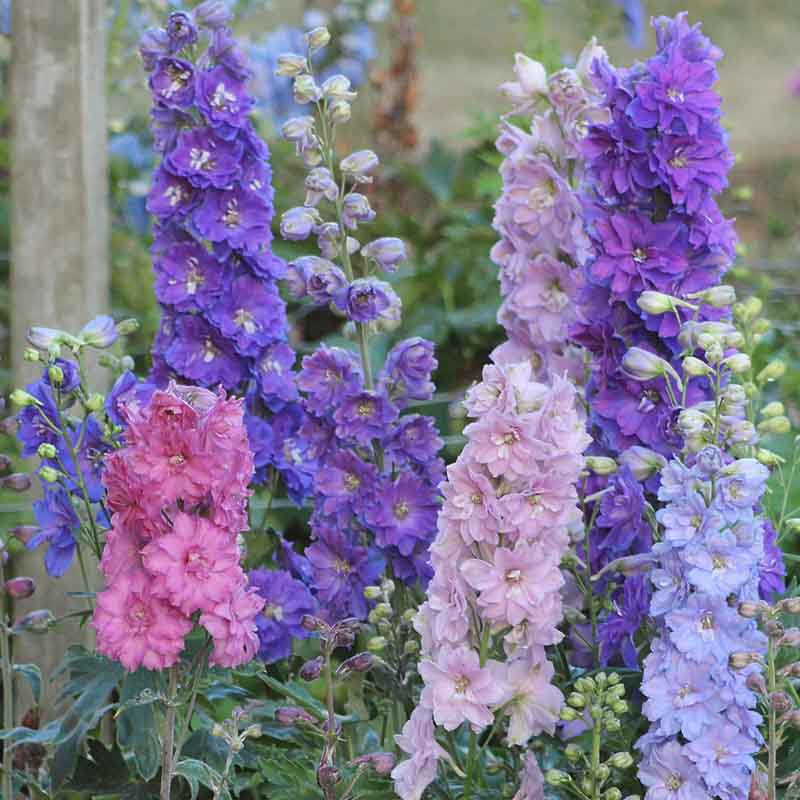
(224, 323)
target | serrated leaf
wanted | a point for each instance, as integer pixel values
(136, 724)
(33, 675)
(197, 773)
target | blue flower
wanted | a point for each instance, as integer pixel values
(58, 525)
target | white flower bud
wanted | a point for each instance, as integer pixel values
(306, 90)
(337, 87)
(601, 465)
(773, 409)
(716, 296)
(290, 65)
(339, 112)
(642, 462)
(531, 75)
(643, 365)
(317, 38)
(775, 425)
(655, 302)
(357, 165)
(773, 371)
(691, 421)
(694, 367)
(738, 363)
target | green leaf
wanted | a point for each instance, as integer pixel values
(33, 675)
(101, 771)
(137, 735)
(197, 774)
(439, 170)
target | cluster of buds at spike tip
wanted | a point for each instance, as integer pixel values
(600, 700)
(332, 636)
(235, 731)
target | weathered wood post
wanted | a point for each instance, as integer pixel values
(59, 217)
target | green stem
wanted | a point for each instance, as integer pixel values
(224, 777)
(169, 735)
(8, 691)
(199, 672)
(772, 744)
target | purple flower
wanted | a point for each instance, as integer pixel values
(38, 423)
(273, 370)
(364, 416)
(170, 195)
(287, 601)
(405, 514)
(365, 299)
(620, 520)
(669, 775)
(724, 757)
(236, 216)
(181, 30)
(251, 315)
(414, 439)
(223, 98)
(677, 95)
(617, 630)
(90, 447)
(200, 353)
(772, 570)
(636, 254)
(212, 14)
(154, 44)
(58, 523)
(71, 376)
(204, 159)
(328, 377)
(407, 372)
(188, 278)
(342, 571)
(346, 483)
(172, 82)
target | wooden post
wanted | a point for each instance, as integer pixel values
(59, 220)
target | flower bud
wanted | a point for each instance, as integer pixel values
(46, 450)
(44, 338)
(714, 352)
(411, 647)
(773, 409)
(792, 718)
(19, 588)
(312, 623)
(56, 375)
(383, 611)
(772, 372)
(602, 773)
(327, 777)
(305, 90)
(601, 465)
(573, 753)
(380, 763)
(372, 592)
(101, 332)
(738, 363)
(340, 112)
(774, 425)
(750, 609)
(291, 715)
(774, 629)
(642, 462)
(16, 482)
(789, 605)
(768, 458)
(311, 670)
(531, 75)
(48, 475)
(691, 421)
(619, 706)
(576, 700)
(388, 252)
(612, 794)
(361, 662)
(720, 296)
(376, 644)
(792, 525)
(755, 683)
(409, 615)
(298, 223)
(38, 621)
(587, 786)
(387, 587)
(790, 638)
(585, 685)
(357, 165)
(317, 38)
(655, 302)
(252, 732)
(31, 355)
(290, 65)
(568, 714)
(733, 339)
(337, 87)
(128, 326)
(741, 660)
(298, 129)
(555, 777)
(19, 397)
(642, 365)
(780, 702)
(761, 326)
(95, 401)
(612, 725)
(695, 367)
(24, 533)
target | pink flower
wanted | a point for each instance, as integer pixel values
(412, 776)
(122, 552)
(232, 626)
(535, 703)
(491, 393)
(136, 628)
(448, 606)
(531, 786)
(197, 562)
(546, 509)
(502, 443)
(470, 503)
(514, 587)
(458, 689)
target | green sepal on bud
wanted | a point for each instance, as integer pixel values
(376, 644)
(773, 409)
(31, 355)
(602, 773)
(409, 615)
(619, 707)
(49, 475)
(576, 700)
(128, 326)
(694, 367)
(656, 302)
(372, 592)
(573, 752)
(738, 363)
(556, 777)
(774, 425)
(621, 760)
(21, 398)
(46, 450)
(772, 372)
(768, 458)
(568, 714)
(612, 794)
(95, 401)
(601, 465)
(56, 375)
